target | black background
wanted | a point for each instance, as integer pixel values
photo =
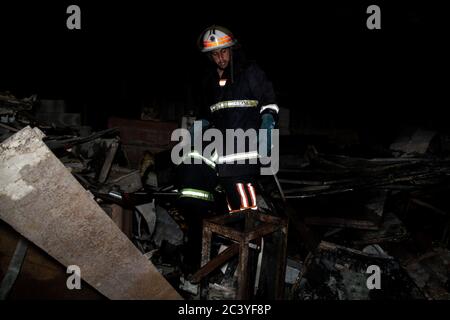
(321, 57)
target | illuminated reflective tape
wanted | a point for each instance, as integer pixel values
(195, 193)
(195, 154)
(244, 201)
(220, 41)
(234, 104)
(238, 156)
(252, 194)
(214, 156)
(229, 207)
(270, 106)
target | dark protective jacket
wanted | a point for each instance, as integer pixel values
(239, 104)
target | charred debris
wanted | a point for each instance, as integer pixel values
(348, 207)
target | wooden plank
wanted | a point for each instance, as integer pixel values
(42, 201)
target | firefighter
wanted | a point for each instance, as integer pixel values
(236, 94)
(196, 183)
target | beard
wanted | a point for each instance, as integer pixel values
(222, 66)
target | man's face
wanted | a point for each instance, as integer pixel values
(221, 57)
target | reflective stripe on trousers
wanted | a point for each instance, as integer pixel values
(246, 193)
(197, 194)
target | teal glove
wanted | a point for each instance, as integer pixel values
(268, 123)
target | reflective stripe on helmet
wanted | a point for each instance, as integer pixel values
(217, 41)
(238, 156)
(234, 104)
(270, 106)
(197, 194)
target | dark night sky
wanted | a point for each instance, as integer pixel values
(321, 58)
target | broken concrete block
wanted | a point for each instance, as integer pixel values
(42, 201)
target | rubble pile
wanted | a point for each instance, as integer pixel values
(349, 204)
(350, 215)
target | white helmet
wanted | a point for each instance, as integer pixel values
(216, 37)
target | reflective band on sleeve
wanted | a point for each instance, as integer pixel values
(234, 104)
(273, 107)
(238, 156)
(197, 194)
(214, 156)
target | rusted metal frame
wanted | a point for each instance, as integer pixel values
(249, 222)
(225, 231)
(256, 232)
(206, 245)
(235, 217)
(243, 276)
(215, 263)
(271, 225)
(226, 219)
(281, 238)
(270, 219)
(261, 231)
